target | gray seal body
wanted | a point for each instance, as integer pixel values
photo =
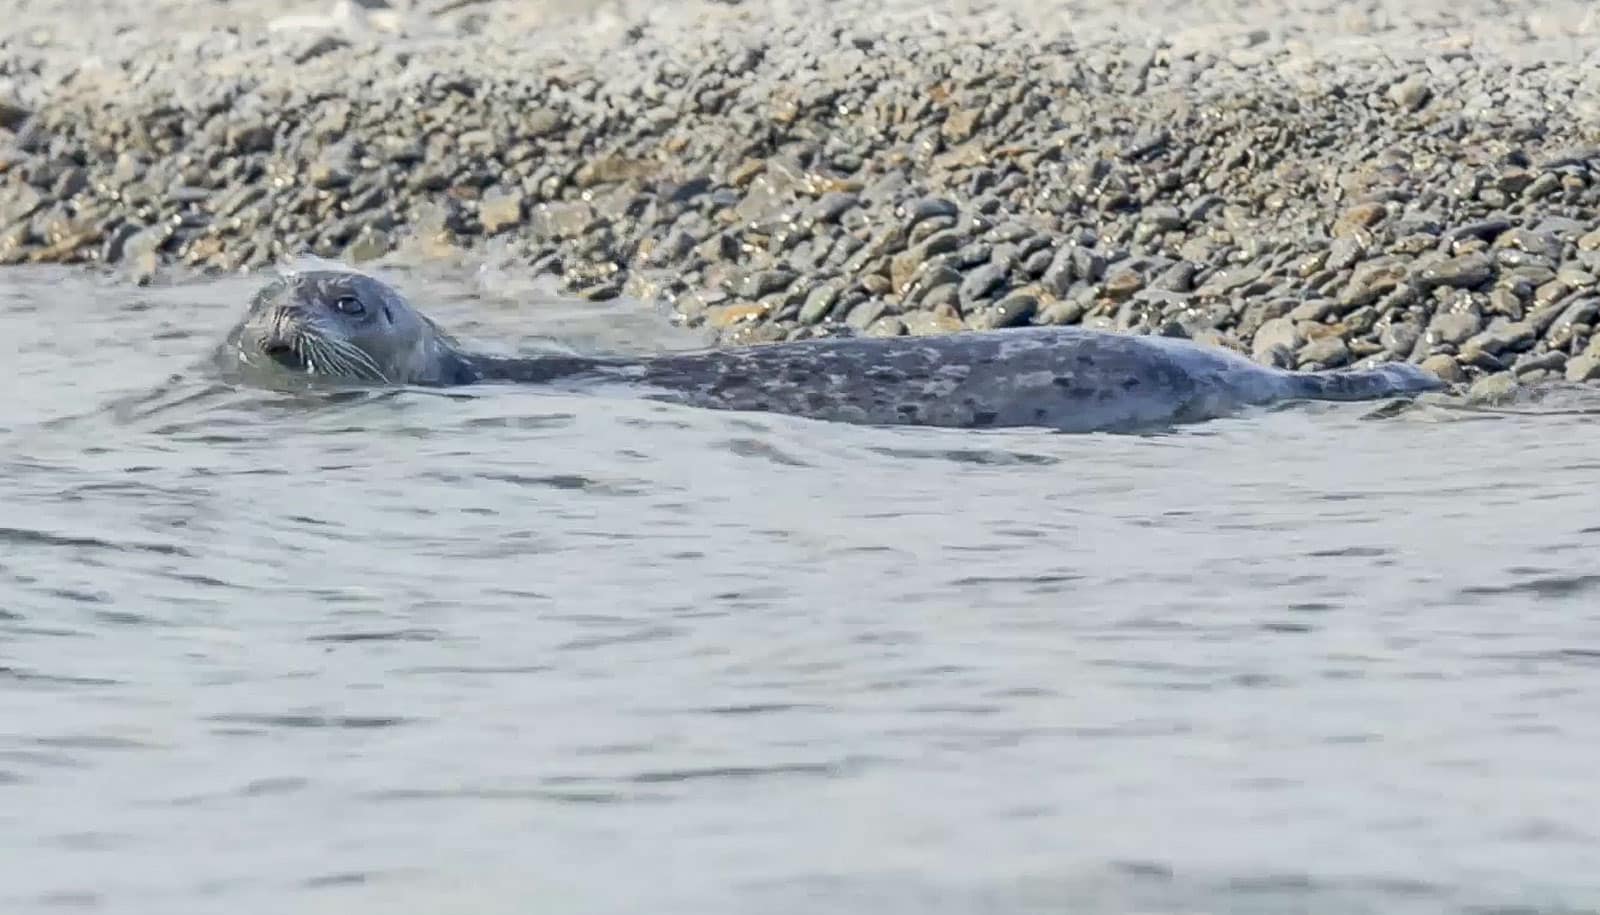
(348, 327)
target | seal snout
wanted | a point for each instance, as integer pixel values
(283, 354)
(276, 349)
(279, 339)
(280, 348)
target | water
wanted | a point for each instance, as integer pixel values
(512, 651)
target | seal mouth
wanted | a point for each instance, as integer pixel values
(285, 355)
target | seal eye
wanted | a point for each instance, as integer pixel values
(349, 305)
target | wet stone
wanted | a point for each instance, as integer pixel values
(765, 282)
(1177, 278)
(865, 313)
(1164, 218)
(1399, 338)
(1275, 334)
(928, 323)
(560, 220)
(1542, 186)
(947, 295)
(18, 202)
(1529, 364)
(1358, 218)
(1088, 265)
(1013, 310)
(1463, 272)
(1371, 281)
(928, 207)
(1502, 336)
(819, 301)
(1328, 352)
(1059, 276)
(500, 209)
(830, 206)
(1445, 368)
(980, 282)
(1121, 285)
(886, 326)
(1503, 301)
(1037, 263)
(1343, 253)
(1230, 279)
(1411, 93)
(1575, 276)
(874, 284)
(1580, 313)
(1453, 328)
(1584, 367)
(1493, 389)
(1314, 310)
(247, 138)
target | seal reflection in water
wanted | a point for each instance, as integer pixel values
(348, 327)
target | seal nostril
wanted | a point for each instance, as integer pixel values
(283, 354)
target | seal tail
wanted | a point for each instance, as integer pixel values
(1391, 379)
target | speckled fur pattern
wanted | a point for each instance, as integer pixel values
(1064, 378)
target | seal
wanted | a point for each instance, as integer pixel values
(346, 327)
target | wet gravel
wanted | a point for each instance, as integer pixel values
(1322, 186)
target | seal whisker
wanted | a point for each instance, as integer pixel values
(318, 360)
(356, 360)
(340, 359)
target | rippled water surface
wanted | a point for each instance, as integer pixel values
(507, 651)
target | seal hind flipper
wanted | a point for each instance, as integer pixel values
(1391, 379)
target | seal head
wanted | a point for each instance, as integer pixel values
(346, 326)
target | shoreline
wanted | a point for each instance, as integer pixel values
(1312, 203)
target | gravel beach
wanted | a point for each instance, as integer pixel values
(1316, 184)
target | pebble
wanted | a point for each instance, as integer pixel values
(1358, 218)
(1275, 334)
(926, 323)
(980, 282)
(1013, 310)
(1464, 272)
(1532, 363)
(765, 282)
(1584, 367)
(1446, 368)
(1502, 336)
(886, 326)
(1326, 352)
(818, 303)
(1453, 328)
(1581, 313)
(1227, 280)
(500, 209)
(1399, 338)
(558, 221)
(1493, 389)
(1411, 93)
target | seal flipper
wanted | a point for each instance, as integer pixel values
(1392, 379)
